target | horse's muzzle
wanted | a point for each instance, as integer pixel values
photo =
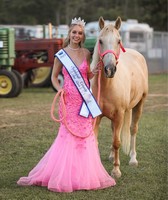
(110, 71)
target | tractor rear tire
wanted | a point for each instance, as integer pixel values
(42, 77)
(21, 83)
(9, 84)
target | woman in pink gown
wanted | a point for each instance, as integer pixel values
(72, 162)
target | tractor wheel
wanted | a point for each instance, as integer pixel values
(9, 84)
(41, 77)
(21, 84)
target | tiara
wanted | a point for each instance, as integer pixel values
(78, 21)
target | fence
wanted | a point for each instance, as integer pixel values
(153, 46)
(157, 57)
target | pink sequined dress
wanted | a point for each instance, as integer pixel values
(71, 163)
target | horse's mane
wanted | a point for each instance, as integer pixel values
(95, 56)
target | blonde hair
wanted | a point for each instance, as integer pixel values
(67, 39)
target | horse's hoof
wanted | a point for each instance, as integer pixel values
(116, 174)
(133, 163)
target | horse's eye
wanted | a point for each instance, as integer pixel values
(100, 41)
(119, 41)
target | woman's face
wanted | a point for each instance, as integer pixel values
(76, 34)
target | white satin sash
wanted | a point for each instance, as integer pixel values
(89, 105)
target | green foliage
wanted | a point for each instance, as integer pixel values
(34, 12)
(155, 13)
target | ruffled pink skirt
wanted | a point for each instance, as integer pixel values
(70, 164)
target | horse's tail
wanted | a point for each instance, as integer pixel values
(125, 133)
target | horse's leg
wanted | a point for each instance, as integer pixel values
(125, 133)
(111, 156)
(136, 114)
(117, 126)
(96, 127)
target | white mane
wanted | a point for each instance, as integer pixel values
(95, 57)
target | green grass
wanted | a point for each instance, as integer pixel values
(27, 131)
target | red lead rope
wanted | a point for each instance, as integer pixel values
(63, 119)
(123, 49)
(98, 92)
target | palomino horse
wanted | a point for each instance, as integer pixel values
(123, 88)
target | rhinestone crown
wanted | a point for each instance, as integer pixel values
(78, 21)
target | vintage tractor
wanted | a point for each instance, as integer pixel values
(34, 60)
(90, 43)
(11, 83)
(28, 62)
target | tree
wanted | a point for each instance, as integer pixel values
(153, 12)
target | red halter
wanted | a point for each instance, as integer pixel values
(110, 51)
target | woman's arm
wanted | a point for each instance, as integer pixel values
(57, 67)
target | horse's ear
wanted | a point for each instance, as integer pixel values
(101, 22)
(118, 23)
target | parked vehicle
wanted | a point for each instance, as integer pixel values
(34, 60)
(35, 52)
(32, 57)
(134, 35)
(11, 83)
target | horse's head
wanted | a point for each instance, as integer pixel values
(108, 45)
